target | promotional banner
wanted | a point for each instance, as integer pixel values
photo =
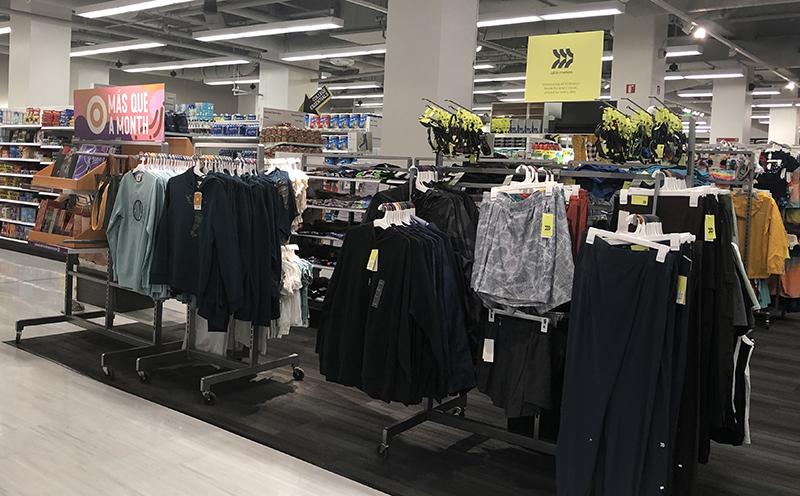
(564, 67)
(120, 113)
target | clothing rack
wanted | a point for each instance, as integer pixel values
(140, 345)
(183, 354)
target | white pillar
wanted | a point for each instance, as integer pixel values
(38, 53)
(731, 110)
(86, 73)
(783, 124)
(430, 50)
(283, 87)
(637, 71)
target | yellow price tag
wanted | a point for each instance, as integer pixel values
(682, 281)
(640, 200)
(711, 227)
(639, 248)
(660, 151)
(372, 263)
(626, 185)
(548, 225)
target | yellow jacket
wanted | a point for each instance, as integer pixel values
(769, 243)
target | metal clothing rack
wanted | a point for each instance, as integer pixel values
(71, 272)
(236, 369)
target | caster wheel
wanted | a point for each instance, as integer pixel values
(298, 374)
(459, 411)
(144, 377)
(209, 398)
(383, 450)
(462, 412)
(108, 372)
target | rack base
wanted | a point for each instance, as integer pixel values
(452, 413)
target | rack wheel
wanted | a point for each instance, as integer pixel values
(460, 411)
(108, 372)
(144, 377)
(383, 450)
(209, 398)
(298, 373)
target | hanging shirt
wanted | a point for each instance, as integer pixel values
(768, 242)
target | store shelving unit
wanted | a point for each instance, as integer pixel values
(19, 171)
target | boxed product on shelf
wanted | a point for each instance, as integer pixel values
(289, 134)
(352, 120)
(14, 231)
(58, 118)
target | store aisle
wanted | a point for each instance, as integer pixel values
(63, 433)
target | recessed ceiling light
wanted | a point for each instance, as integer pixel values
(351, 97)
(270, 29)
(699, 33)
(329, 53)
(117, 7)
(223, 82)
(185, 64)
(120, 46)
(696, 94)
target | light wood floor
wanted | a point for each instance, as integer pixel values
(62, 433)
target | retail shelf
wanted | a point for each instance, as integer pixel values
(342, 209)
(342, 131)
(52, 147)
(58, 128)
(345, 179)
(20, 222)
(209, 137)
(170, 134)
(19, 202)
(14, 174)
(15, 143)
(15, 240)
(17, 188)
(13, 159)
(20, 126)
(316, 236)
(290, 143)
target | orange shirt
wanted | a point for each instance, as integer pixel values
(769, 243)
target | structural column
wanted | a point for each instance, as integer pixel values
(430, 50)
(39, 56)
(284, 87)
(637, 71)
(731, 110)
(783, 125)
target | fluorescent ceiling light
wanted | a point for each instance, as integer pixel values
(512, 100)
(764, 122)
(330, 53)
(117, 7)
(765, 92)
(120, 46)
(372, 105)
(673, 77)
(760, 116)
(223, 82)
(683, 51)
(270, 29)
(505, 20)
(581, 13)
(482, 67)
(772, 105)
(608, 56)
(714, 75)
(364, 86)
(185, 64)
(499, 90)
(701, 123)
(790, 85)
(481, 109)
(5, 27)
(500, 77)
(604, 97)
(351, 97)
(696, 94)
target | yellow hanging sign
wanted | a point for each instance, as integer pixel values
(564, 67)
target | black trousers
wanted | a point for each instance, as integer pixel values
(617, 373)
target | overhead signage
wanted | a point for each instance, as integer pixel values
(120, 113)
(564, 67)
(312, 104)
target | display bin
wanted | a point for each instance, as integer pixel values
(87, 183)
(62, 241)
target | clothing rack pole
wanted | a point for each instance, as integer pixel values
(690, 152)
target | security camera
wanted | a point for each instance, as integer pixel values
(751, 86)
(173, 73)
(118, 64)
(252, 86)
(359, 102)
(673, 67)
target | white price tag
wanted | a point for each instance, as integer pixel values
(488, 350)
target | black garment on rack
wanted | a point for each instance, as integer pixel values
(623, 307)
(176, 255)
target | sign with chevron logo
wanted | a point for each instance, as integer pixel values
(564, 67)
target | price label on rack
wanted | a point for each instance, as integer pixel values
(640, 200)
(711, 227)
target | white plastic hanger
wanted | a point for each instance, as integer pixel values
(661, 250)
